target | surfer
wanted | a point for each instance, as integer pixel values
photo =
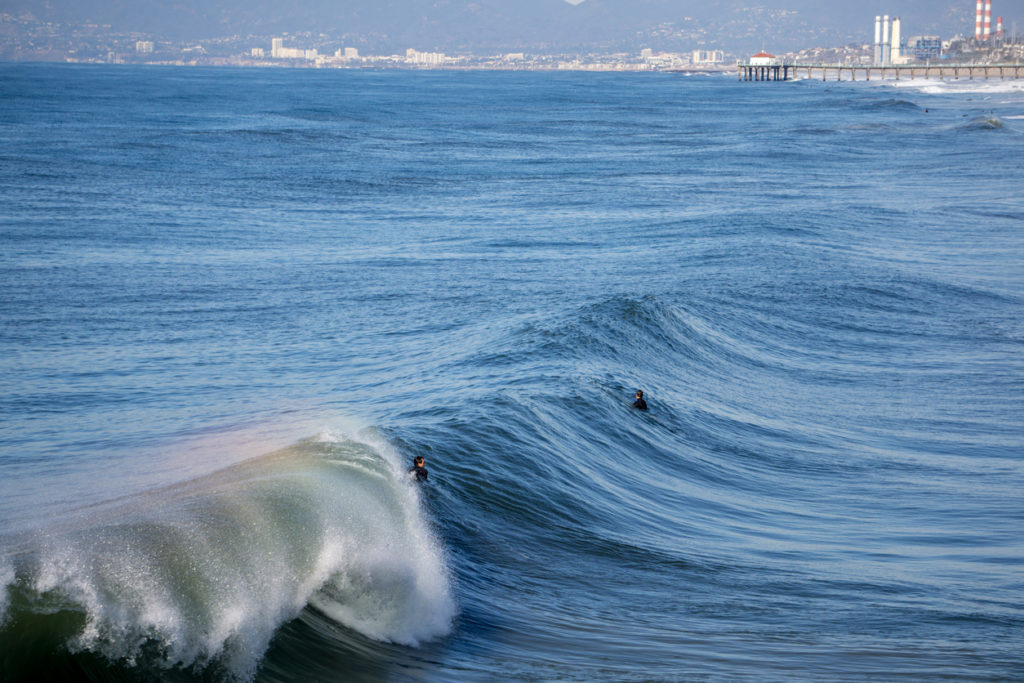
(418, 468)
(640, 403)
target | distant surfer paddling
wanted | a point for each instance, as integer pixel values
(418, 469)
(640, 403)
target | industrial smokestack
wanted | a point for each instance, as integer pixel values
(897, 41)
(999, 29)
(885, 39)
(988, 20)
(979, 19)
(878, 39)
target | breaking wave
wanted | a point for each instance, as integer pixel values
(201, 575)
(983, 123)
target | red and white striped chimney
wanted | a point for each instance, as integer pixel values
(979, 19)
(988, 20)
(999, 28)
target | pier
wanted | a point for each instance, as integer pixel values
(850, 72)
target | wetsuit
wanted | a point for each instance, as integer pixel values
(421, 472)
(640, 404)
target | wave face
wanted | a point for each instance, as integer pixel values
(201, 575)
(236, 303)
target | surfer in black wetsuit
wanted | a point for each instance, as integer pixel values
(640, 403)
(418, 468)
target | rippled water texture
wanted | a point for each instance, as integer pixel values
(235, 304)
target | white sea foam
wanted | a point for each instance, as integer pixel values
(6, 579)
(207, 571)
(957, 87)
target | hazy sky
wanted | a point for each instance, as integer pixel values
(527, 24)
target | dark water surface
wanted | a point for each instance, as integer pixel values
(235, 303)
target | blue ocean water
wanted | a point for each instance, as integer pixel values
(234, 304)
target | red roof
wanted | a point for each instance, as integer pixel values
(763, 54)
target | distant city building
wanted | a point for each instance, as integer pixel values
(257, 52)
(646, 53)
(515, 57)
(707, 57)
(351, 53)
(279, 51)
(144, 46)
(425, 58)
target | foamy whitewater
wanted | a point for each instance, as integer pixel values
(236, 304)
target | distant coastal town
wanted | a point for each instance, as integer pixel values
(26, 39)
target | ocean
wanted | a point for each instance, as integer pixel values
(235, 304)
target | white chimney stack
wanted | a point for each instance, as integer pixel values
(897, 40)
(878, 39)
(885, 39)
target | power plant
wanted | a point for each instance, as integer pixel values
(890, 50)
(990, 54)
